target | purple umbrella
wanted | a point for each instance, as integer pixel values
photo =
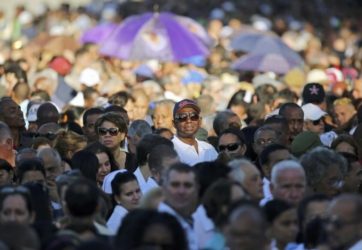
(99, 33)
(153, 36)
(269, 54)
(264, 63)
(247, 40)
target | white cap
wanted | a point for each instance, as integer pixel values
(107, 182)
(89, 77)
(318, 76)
(312, 112)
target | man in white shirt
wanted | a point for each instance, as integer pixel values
(180, 189)
(187, 121)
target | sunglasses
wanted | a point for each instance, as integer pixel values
(183, 117)
(229, 147)
(111, 131)
(317, 122)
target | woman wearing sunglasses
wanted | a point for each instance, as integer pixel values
(111, 130)
(231, 144)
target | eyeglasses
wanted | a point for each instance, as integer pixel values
(317, 122)
(183, 117)
(229, 147)
(265, 141)
(10, 190)
(111, 131)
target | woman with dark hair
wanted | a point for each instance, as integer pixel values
(106, 160)
(126, 194)
(87, 163)
(345, 143)
(16, 205)
(149, 229)
(111, 129)
(283, 223)
(238, 105)
(217, 200)
(231, 144)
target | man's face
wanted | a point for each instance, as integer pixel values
(88, 128)
(295, 120)
(162, 117)
(252, 182)
(180, 190)
(289, 186)
(187, 122)
(52, 169)
(314, 126)
(353, 179)
(331, 182)
(245, 233)
(263, 138)
(344, 113)
(357, 90)
(5, 177)
(140, 108)
(343, 227)
(12, 114)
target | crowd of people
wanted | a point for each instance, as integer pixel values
(97, 152)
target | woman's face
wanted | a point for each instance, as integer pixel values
(109, 139)
(130, 195)
(104, 166)
(285, 227)
(14, 209)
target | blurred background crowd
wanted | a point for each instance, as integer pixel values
(164, 124)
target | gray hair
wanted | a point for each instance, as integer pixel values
(139, 128)
(237, 173)
(266, 128)
(165, 102)
(318, 162)
(52, 153)
(284, 165)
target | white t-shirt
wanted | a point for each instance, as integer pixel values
(115, 221)
(189, 155)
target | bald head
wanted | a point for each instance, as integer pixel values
(46, 113)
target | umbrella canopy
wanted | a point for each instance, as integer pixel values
(247, 40)
(269, 54)
(264, 63)
(157, 36)
(98, 33)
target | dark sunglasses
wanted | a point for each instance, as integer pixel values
(182, 117)
(111, 131)
(229, 147)
(317, 122)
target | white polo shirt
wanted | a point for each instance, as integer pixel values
(189, 155)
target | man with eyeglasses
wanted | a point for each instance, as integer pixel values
(187, 121)
(344, 224)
